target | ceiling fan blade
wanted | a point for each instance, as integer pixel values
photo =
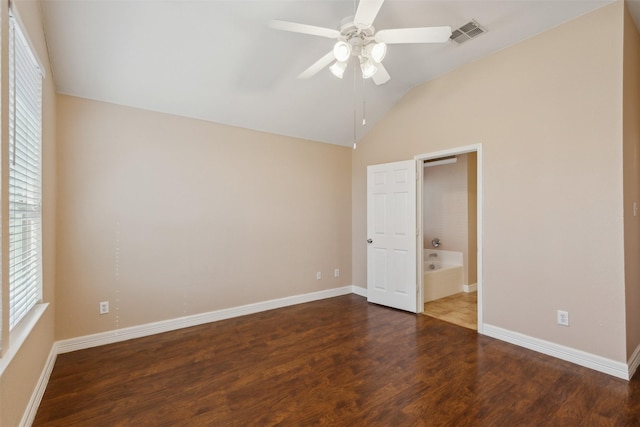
(317, 66)
(367, 12)
(381, 76)
(304, 29)
(414, 35)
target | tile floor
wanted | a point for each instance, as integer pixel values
(460, 309)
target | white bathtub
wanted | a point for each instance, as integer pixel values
(443, 274)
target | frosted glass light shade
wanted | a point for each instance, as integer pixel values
(377, 52)
(338, 69)
(368, 69)
(342, 51)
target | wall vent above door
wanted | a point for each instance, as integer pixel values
(466, 32)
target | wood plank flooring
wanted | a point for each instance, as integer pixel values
(460, 309)
(336, 362)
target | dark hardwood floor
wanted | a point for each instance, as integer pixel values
(337, 362)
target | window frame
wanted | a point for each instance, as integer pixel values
(25, 176)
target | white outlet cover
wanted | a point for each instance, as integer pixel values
(104, 307)
(563, 318)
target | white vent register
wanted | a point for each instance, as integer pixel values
(466, 32)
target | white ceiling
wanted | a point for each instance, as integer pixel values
(217, 60)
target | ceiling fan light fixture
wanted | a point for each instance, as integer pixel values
(342, 51)
(377, 51)
(357, 37)
(368, 68)
(337, 69)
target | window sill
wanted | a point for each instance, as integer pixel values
(20, 333)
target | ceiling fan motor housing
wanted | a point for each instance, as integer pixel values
(356, 37)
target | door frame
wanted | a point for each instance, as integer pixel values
(420, 158)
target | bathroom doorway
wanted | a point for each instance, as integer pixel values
(449, 195)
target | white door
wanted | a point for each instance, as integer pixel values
(391, 235)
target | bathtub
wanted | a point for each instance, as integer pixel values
(443, 274)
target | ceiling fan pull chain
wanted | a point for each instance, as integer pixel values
(364, 115)
(354, 108)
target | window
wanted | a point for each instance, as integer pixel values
(25, 128)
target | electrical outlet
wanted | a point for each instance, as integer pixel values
(319, 275)
(336, 272)
(104, 307)
(563, 318)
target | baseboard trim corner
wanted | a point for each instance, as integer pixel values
(579, 357)
(359, 291)
(118, 335)
(36, 397)
(634, 362)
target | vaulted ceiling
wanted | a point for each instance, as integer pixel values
(219, 61)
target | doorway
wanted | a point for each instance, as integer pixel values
(449, 193)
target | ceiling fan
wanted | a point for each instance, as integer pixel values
(357, 38)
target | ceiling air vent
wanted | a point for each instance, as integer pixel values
(468, 31)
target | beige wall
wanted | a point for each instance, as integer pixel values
(19, 379)
(631, 147)
(548, 114)
(166, 216)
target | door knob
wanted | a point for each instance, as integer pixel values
(369, 241)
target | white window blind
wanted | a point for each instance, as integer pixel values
(25, 135)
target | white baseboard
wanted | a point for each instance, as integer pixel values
(36, 397)
(634, 362)
(94, 340)
(588, 360)
(470, 288)
(359, 291)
